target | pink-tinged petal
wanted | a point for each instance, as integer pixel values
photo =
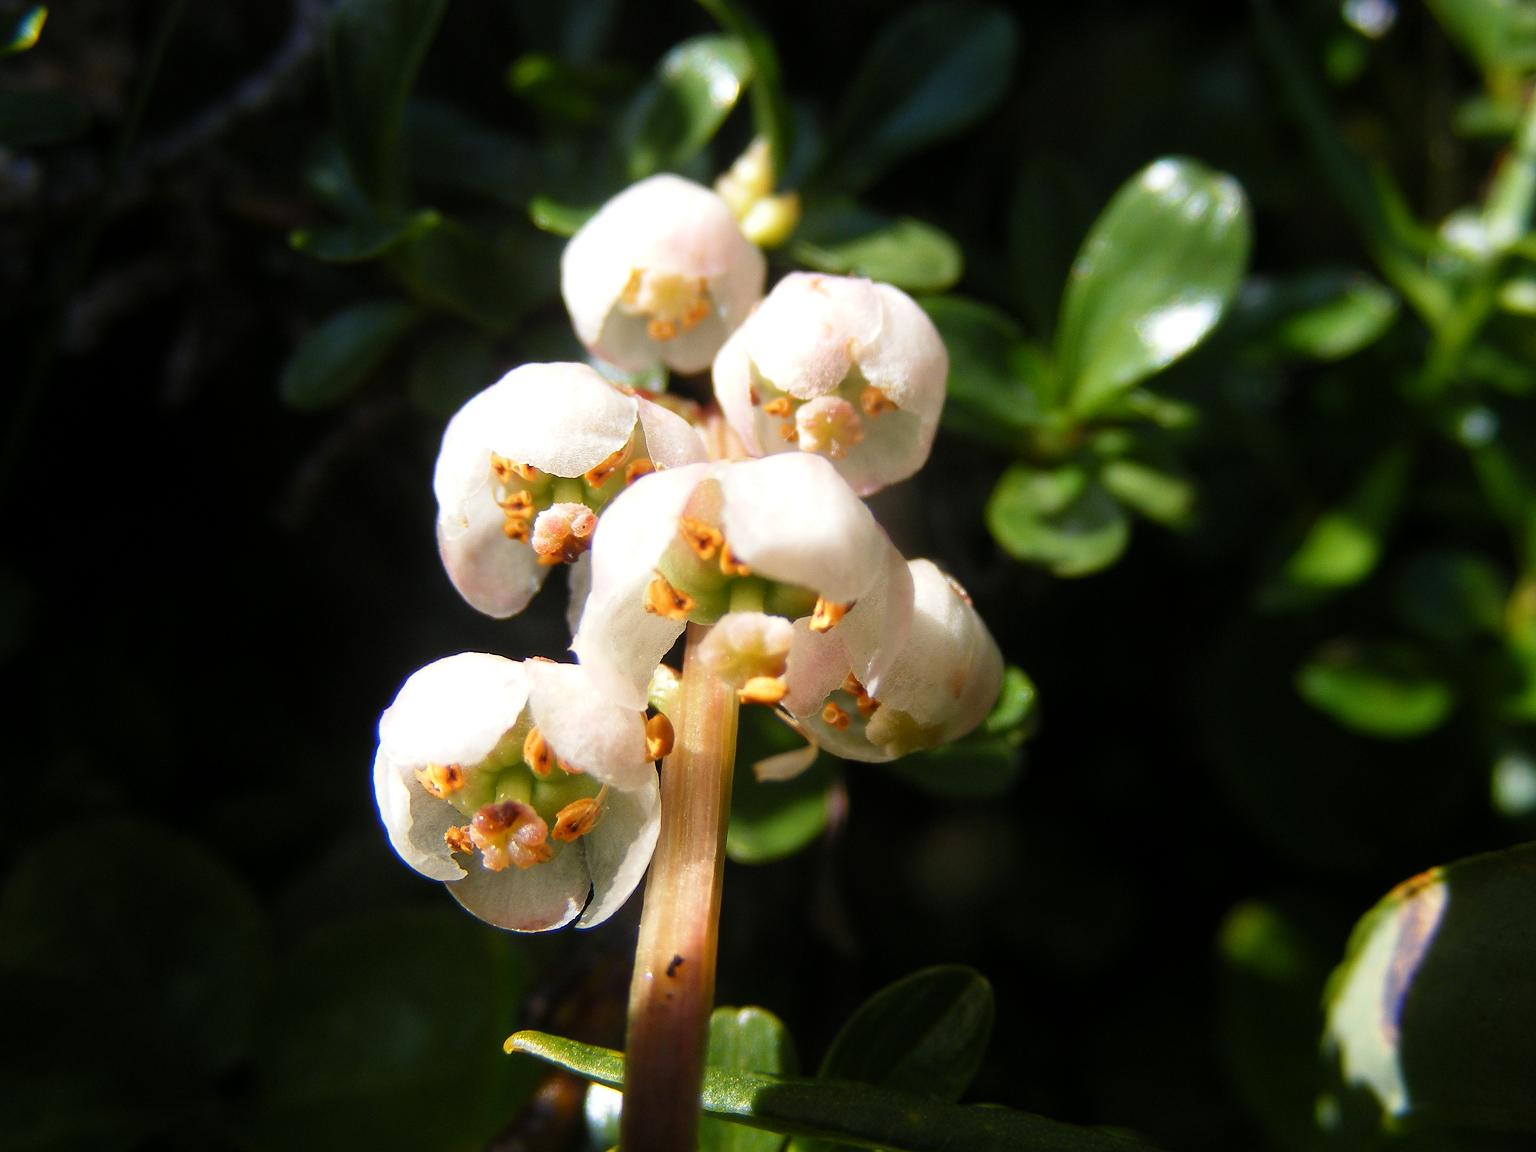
(617, 641)
(564, 419)
(670, 441)
(495, 575)
(732, 375)
(786, 765)
(619, 849)
(454, 711)
(414, 820)
(462, 476)
(536, 899)
(805, 335)
(792, 518)
(578, 580)
(584, 729)
(818, 665)
(908, 362)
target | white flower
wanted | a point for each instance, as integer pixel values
(781, 537)
(846, 368)
(661, 273)
(526, 463)
(520, 787)
(938, 687)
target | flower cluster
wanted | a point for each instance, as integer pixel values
(526, 786)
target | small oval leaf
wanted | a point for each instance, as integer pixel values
(848, 240)
(1385, 690)
(334, 360)
(1058, 519)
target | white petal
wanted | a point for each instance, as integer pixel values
(786, 765)
(584, 729)
(453, 711)
(578, 579)
(670, 440)
(792, 518)
(875, 630)
(732, 375)
(536, 899)
(414, 820)
(564, 419)
(617, 641)
(495, 575)
(908, 362)
(804, 336)
(619, 849)
(818, 665)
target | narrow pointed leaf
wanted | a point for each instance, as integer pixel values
(1154, 277)
(857, 1114)
(355, 243)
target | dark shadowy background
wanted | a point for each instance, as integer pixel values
(208, 596)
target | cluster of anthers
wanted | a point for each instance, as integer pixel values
(530, 787)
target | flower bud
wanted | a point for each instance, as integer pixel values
(661, 273)
(845, 368)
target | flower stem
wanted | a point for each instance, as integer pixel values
(673, 988)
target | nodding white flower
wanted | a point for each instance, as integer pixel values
(849, 369)
(520, 787)
(526, 465)
(748, 546)
(661, 273)
(938, 687)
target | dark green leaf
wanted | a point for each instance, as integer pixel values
(136, 959)
(383, 1028)
(1058, 519)
(849, 240)
(1385, 690)
(1048, 218)
(997, 381)
(353, 243)
(564, 92)
(674, 116)
(450, 151)
(1432, 1013)
(770, 111)
(29, 26)
(1323, 315)
(373, 51)
(1155, 275)
(933, 71)
(558, 219)
(450, 368)
(492, 278)
(32, 119)
(925, 1034)
(335, 359)
(771, 819)
(1344, 544)
(1450, 596)
(745, 1040)
(857, 1114)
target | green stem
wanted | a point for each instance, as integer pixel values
(673, 988)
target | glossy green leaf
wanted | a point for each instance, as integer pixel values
(491, 277)
(354, 243)
(771, 819)
(448, 150)
(336, 359)
(383, 1028)
(32, 119)
(1432, 1013)
(849, 240)
(450, 368)
(133, 961)
(1162, 497)
(985, 762)
(745, 1040)
(28, 28)
(926, 1034)
(373, 51)
(770, 110)
(1058, 519)
(1344, 544)
(997, 381)
(674, 116)
(1324, 315)
(1451, 596)
(558, 219)
(1384, 690)
(1155, 275)
(1497, 34)
(932, 71)
(858, 1114)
